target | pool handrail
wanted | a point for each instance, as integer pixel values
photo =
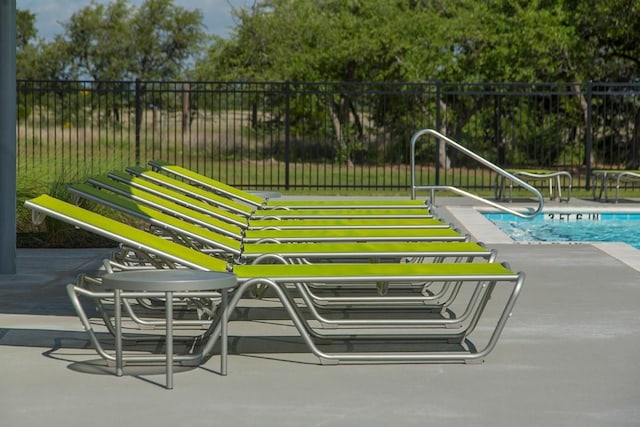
(433, 188)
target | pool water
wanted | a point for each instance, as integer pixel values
(571, 227)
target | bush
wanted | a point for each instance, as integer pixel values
(50, 233)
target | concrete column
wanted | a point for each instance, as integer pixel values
(7, 136)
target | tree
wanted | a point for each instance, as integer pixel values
(117, 41)
(609, 34)
(25, 29)
(26, 50)
(96, 40)
(308, 40)
(163, 37)
(394, 41)
(46, 61)
(457, 41)
(401, 40)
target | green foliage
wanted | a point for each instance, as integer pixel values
(338, 40)
(52, 232)
(381, 40)
(25, 29)
(117, 41)
(355, 41)
(47, 61)
(403, 41)
(28, 52)
(23, 112)
(95, 39)
(161, 38)
(520, 42)
(608, 30)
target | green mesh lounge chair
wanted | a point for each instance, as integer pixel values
(262, 203)
(251, 215)
(154, 181)
(230, 225)
(213, 242)
(209, 203)
(280, 278)
(228, 248)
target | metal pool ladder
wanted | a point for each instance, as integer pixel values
(530, 213)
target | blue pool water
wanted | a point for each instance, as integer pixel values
(571, 227)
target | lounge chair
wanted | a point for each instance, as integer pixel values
(209, 203)
(253, 215)
(280, 277)
(262, 203)
(213, 242)
(604, 178)
(552, 177)
(216, 244)
(215, 218)
(158, 183)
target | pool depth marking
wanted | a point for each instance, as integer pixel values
(562, 216)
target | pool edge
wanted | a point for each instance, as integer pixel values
(483, 230)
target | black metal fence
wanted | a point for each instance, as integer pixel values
(283, 135)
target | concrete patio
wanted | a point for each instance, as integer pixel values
(567, 357)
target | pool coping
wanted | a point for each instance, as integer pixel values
(483, 230)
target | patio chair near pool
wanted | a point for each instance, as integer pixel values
(163, 186)
(449, 336)
(235, 251)
(215, 243)
(126, 184)
(157, 182)
(605, 178)
(317, 230)
(553, 178)
(261, 203)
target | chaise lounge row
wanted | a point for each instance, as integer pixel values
(386, 272)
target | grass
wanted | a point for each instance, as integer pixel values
(53, 153)
(52, 233)
(50, 168)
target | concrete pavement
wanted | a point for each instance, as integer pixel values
(567, 357)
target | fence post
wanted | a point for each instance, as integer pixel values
(8, 115)
(186, 110)
(439, 128)
(138, 119)
(501, 154)
(588, 135)
(287, 132)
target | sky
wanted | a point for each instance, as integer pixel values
(49, 13)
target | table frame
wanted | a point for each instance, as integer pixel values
(168, 284)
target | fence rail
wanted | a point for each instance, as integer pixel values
(285, 135)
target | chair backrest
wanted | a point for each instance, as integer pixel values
(208, 196)
(180, 197)
(158, 219)
(164, 197)
(206, 182)
(124, 233)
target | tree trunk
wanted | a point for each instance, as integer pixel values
(584, 108)
(186, 115)
(443, 159)
(340, 119)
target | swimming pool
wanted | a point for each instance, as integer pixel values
(589, 226)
